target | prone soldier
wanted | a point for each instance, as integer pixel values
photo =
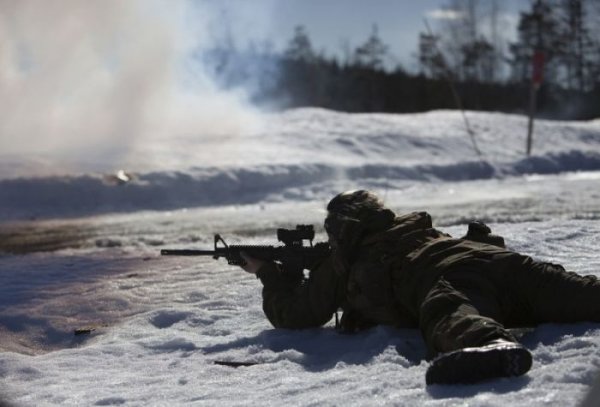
(463, 294)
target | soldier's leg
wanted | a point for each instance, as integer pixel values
(459, 322)
(458, 317)
(548, 293)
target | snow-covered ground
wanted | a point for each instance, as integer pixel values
(80, 243)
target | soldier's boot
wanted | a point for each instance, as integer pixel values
(499, 358)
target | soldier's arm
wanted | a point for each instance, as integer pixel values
(295, 305)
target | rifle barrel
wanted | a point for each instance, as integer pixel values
(187, 252)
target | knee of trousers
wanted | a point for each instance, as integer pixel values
(448, 322)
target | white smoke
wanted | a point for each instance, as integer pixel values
(82, 79)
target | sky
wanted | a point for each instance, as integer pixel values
(335, 24)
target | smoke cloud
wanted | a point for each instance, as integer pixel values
(83, 82)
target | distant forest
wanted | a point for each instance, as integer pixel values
(464, 61)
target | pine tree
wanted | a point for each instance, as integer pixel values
(300, 47)
(478, 60)
(373, 53)
(464, 40)
(538, 30)
(431, 61)
(579, 50)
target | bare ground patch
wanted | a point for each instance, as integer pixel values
(29, 237)
(52, 301)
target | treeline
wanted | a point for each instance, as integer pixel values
(465, 63)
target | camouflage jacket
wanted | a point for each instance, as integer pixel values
(384, 283)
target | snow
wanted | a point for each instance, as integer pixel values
(80, 249)
(302, 154)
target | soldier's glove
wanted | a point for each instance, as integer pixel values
(252, 265)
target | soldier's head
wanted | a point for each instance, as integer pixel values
(352, 214)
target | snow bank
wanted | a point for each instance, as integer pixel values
(301, 153)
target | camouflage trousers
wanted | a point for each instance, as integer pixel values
(476, 302)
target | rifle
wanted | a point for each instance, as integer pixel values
(293, 255)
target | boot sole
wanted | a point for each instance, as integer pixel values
(471, 365)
